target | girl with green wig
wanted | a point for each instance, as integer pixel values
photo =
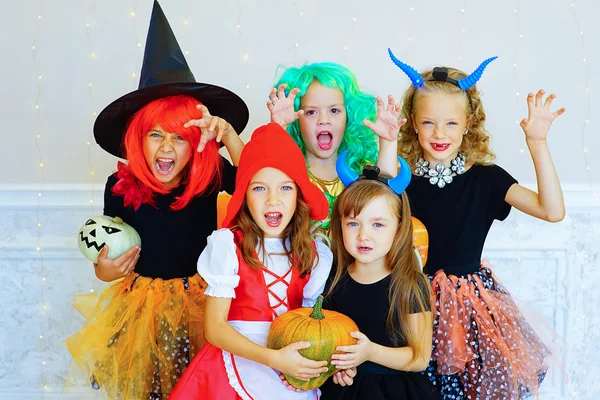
(326, 114)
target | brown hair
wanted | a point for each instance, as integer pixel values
(476, 145)
(297, 232)
(409, 288)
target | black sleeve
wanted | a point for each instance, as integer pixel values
(113, 204)
(228, 176)
(500, 182)
(424, 294)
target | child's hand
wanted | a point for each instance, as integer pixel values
(108, 270)
(208, 124)
(290, 362)
(282, 107)
(287, 384)
(344, 377)
(355, 354)
(537, 124)
(386, 126)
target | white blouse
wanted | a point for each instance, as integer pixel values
(218, 265)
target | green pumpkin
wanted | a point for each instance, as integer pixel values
(324, 329)
(104, 230)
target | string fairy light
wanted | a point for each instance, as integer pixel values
(410, 29)
(588, 169)
(463, 29)
(299, 28)
(90, 86)
(347, 47)
(133, 16)
(517, 90)
(38, 248)
(586, 121)
(186, 23)
(243, 44)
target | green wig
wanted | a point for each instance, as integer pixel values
(359, 106)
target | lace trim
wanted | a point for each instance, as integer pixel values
(233, 378)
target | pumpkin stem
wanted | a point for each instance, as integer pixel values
(318, 309)
(117, 220)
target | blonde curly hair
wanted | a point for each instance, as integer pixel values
(476, 144)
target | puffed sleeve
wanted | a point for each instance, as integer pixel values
(318, 277)
(218, 264)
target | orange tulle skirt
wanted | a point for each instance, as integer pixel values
(139, 337)
(481, 339)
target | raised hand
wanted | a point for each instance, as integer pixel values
(354, 355)
(282, 107)
(540, 118)
(386, 126)
(211, 127)
(108, 270)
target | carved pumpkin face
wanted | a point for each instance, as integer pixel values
(104, 230)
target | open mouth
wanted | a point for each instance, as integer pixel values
(440, 146)
(364, 249)
(273, 219)
(325, 140)
(164, 166)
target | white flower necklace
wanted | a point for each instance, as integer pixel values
(441, 175)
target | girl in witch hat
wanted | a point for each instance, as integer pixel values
(262, 264)
(143, 330)
(483, 347)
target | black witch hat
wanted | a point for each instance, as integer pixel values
(164, 73)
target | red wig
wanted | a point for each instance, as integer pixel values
(203, 172)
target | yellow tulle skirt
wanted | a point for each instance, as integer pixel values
(140, 335)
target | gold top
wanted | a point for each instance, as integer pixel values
(333, 187)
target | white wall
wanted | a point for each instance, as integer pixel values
(549, 55)
(560, 259)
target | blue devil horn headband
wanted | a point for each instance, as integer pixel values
(441, 74)
(415, 77)
(397, 184)
(472, 79)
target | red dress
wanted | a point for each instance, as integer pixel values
(207, 376)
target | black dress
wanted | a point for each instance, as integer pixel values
(476, 321)
(368, 306)
(171, 240)
(459, 216)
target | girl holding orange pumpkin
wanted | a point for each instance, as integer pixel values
(483, 347)
(168, 192)
(260, 265)
(378, 283)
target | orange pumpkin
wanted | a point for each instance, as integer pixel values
(222, 203)
(324, 329)
(421, 236)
